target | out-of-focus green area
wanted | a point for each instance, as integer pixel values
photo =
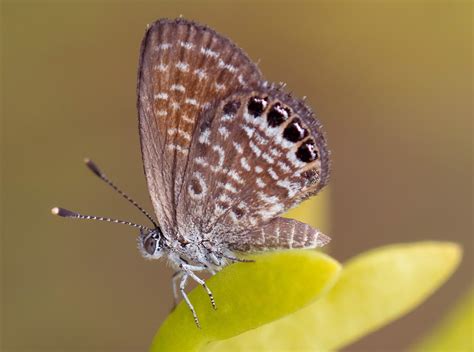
(375, 288)
(455, 331)
(392, 82)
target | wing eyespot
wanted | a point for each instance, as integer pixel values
(277, 115)
(307, 152)
(257, 105)
(295, 131)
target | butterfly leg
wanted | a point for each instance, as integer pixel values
(182, 285)
(176, 277)
(215, 260)
(235, 259)
(203, 284)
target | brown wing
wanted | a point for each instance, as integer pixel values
(280, 233)
(185, 68)
(254, 156)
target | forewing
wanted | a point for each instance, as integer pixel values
(184, 69)
(254, 156)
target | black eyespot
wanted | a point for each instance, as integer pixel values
(307, 152)
(295, 131)
(231, 107)
(256, 106)
(277, 115)
(150, 245)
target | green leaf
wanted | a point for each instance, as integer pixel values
(455, 332)
(248, 295)
(374, 289)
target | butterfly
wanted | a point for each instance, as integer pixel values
(225, 153)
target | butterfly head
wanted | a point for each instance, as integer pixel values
(151, 243)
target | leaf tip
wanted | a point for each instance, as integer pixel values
(452, 252)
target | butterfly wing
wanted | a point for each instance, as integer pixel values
(184, 69)
(279, 233)
(255, 155)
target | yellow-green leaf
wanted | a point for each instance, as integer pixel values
(374, 289)
(248, 295)
(455, 332)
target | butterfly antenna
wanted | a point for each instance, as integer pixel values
(71, 214)
(94, 168)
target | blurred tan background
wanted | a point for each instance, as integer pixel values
(392, 82)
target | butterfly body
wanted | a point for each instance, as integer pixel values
(197, 251)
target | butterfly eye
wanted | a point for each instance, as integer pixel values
(150, 245)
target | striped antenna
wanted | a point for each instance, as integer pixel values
(95, 169)
(71, 214)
